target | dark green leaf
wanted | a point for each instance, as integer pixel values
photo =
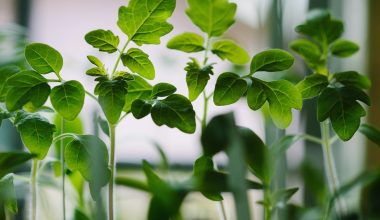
(8, 194)
(68, 99)
(308, 50)
(341, 106)
(36, 132)
(137, 89)
(138, 62)
(103, 125)
(174, 111)
(187, 42)
(88, 154)
(10, 160)
(131, 183)
(229, 89)
(212, 17)
(272, 60)
(112, 98)
(5, 73)
(140, 108)
(312, 85)
(4, 115)
(344, 48)
(352, 78)
(123, 75)
(43, 58)
(145, 21)
(80, 215)
(27, 86)
(104, 40)
(163, 89)
(197, 78)
(228, 49)
(371, 133)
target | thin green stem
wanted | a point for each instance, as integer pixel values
(63, 170)
(119, 58)
(206, 50)
(59, 77)
(33, 188)
(112, 129)
(63, 136)
(267, 205)
(54, 80)
(91, 95)
(312, 139)
(205, 109)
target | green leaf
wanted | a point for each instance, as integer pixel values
(308, 50)
(312, 85)
(103, 125)
(36, 132)
(123, 75)
(282, 196)
(11, 160)
(138, 62)
(282, 145)
(94, 60)
(27, 86)
(341, 106)
(141, 108)
(272, 60)
(163, 90)
(229, 89)
(371, 133)
(104, 40)
(352, 78)
(228, 49)
(5, 73)
(96, 71)
(137, 89)
(4, 115)
(344, 48)
(174, 111)
(68, 99)
(187, 42)
(197, 78)
(112, 98)
(8, 194)
(213, 17)
(131, 183)
(88, 154)
(320, 26)
(144, 22)
(281, 95)
(43, 58)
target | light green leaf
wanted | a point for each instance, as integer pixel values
(229, 88)
(213, 17)
(308, 50)
(96, 71)
(5, 73)
(140, 108)
(371, 133)
(352, 78)
(8, 194)
(27, 86)
(228, 49)
(68, 99)
(10, 160)
(281, 95)
(88, 154)
(197, 78)
(43, 58)
(341, 106)
(94, 60)
(174, 111)
(36, 132)
(312, 85)
(344, 48)
(272, 60)
(163, 90)
(112, 98)
(187, 42)
(104, 40)
(137, 89)
(145, 21)
(138, 62)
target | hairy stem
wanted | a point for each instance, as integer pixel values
(112, 167)
(63, 170)
(33, 189)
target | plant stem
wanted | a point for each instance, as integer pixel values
(267, 205)
(112, 167)
(63, 170)
(205, 108)
(329, 164)
(33, 186)
(118, 59)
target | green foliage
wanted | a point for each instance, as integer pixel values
(68, 99)
(308, 50)
(272, 60)
(213, 17)
(352, 78)
(43, 58)
(371, 133)
(137, 89)
(36, 132)
(88, 154)
(187, 42)
(163, 90)
(104, 40)
(141, 108)
(11, 160)
(344, 48)
(144, 22)
(5, 73)
(229, 88)
(138, 62)
(312, 85)
(197, 78)
(228, 49)
(8, 194)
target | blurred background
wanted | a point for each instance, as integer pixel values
(260, 24)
